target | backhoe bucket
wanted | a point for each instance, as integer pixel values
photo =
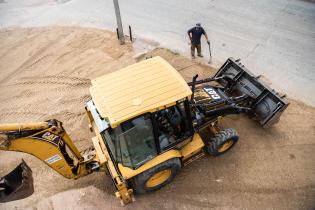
(266, 104)
(18, 184)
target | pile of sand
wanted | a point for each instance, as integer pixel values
(46, 72)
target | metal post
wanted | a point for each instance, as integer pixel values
(117, 33)
(130, 33)
(119, 23)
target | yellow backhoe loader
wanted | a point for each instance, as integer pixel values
(147, 122)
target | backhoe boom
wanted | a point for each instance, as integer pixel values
(49, 142)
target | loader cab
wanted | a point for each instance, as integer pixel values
(145, 110)
(140, 139)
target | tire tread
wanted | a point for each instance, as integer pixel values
(220, 138)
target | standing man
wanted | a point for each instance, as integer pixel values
(195, 34)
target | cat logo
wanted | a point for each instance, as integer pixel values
(212, 93)
(50, 137)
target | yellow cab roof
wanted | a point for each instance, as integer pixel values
(146, 86)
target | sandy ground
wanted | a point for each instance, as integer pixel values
(46, 72)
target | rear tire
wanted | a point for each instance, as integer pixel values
(222, 142)
(156, 177)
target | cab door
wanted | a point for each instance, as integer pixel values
(173, 125)
(135, 141)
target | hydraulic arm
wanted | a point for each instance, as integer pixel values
(49, 142)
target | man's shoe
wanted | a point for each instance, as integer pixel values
(201, 56)
(193, 57)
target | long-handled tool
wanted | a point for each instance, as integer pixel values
(210, 60)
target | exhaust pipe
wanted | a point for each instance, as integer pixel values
(18, 184)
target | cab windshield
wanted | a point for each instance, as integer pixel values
(132, 143)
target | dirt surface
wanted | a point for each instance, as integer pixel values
(46, 72)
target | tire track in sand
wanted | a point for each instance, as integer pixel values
(54, 80)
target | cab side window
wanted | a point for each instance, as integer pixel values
(173, 125)
(135, 141)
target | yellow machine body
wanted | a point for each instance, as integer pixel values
(150, 96)
(150, 91)
(121, 174)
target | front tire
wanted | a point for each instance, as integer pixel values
(157, 177)
(223, 141)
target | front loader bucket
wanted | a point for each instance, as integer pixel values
(266, 104)
(18, 184)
